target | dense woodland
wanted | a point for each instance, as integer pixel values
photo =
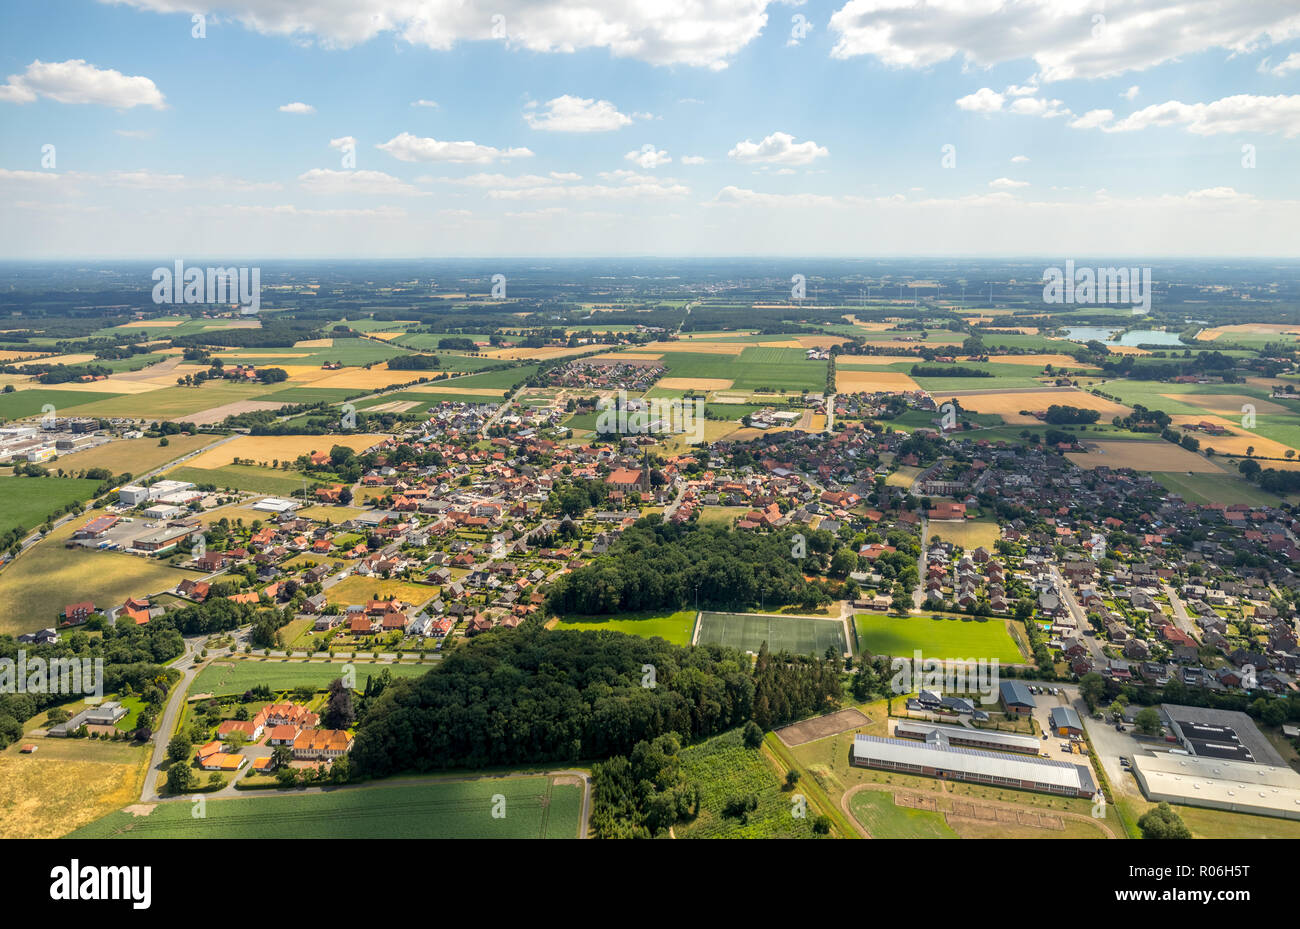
(531, 696)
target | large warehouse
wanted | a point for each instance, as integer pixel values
(963, 764)
(963, 737)
(1238, 786)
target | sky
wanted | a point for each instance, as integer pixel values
(446, 128)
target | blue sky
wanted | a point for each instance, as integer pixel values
(638, 127)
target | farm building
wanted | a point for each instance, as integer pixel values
(1065, 721)
(978, 767)
(960, 736)
(1016, 697)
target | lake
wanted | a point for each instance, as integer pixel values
(1105, 335)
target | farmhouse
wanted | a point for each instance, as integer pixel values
(326, 744)
(979, 767)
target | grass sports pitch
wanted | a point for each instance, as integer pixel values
(799, 635)
(950, 637)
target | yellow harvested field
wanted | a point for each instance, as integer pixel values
(394, 406)
(544, 353)
(219, 413)
(1156, 455)
(136, 455)
(435, 387)
(282, 447)
(314, 343)
(1009, 403)
(69, 359)
(817, 341)
(874, 361)
(1227, 404)
(901, 344)
(1238, 442)
(870, 326)
(1249, 329)
(970, 534)
(151, 324)
(1040, 361)
(705, 348)
(818, 422)
(110, 386)
(307, 374)
(361, 379)
(20, 356)
(626, 356)
(386, 336)
(695, 383)
(1127, 350)
(66, 784)
(859, 382)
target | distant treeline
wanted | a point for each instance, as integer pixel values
(948, 371)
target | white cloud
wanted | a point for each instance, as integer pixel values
(1092, 119)
(29, 177)
(326, 181)
(984, 100)
(1006, 183)
(701, 33)
(1023, 90)
(75, 81)
(407, 147)
(1037, 106)
(624, 185)
(1131, 93)
(1019, 159)
(298, 107)
(566, 175)
(1284, 67)
(576, 114)
(429, 104)
(344, 142)
(1238, 113)
(693, 159)
(499, 180)
(648, 158)
(779, 148)
(1136, 34)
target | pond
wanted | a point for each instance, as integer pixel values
(1105, 335)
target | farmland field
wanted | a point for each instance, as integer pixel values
(136, 456)
(169, 402)
(1155, 455)
(241, 477)
(270, 448)
(358, 589)
(66, 784)
(1009, 403)
(537, 807)
(1220, 487)
(48, 576)
(800, 635)
(238, 675)
(950, 637)
(675, 627)
(23, 403)
(723, 768)
(27, 501)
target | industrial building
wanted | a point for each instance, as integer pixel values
(962, 737)
(1236, 786)
(978, 767)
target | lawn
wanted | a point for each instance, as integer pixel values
(884, 819)
(240, 674)
(952, 637)
(675, 627)
(534, 807)
(358, 589)
(723, 768)
(27, 501)
(799, 635)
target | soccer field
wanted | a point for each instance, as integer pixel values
(950, 637)
(799, 635)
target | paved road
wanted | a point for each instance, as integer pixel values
(1080, 617)
(1181, 619)
(918, 595)
(188, 665)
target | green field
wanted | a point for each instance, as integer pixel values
(351, 352)
(242, 674)
(27, 501)
(675, 627)
(880, 816)
(243, 477)
(800, 635)
(955, 637)
(1214, 488)
(534, 807)
(171, 402)
(23, 403)
(755, 368)
(723, 768)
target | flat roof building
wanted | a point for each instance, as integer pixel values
(979, 767)
(1225, 734)
(1236, 786)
